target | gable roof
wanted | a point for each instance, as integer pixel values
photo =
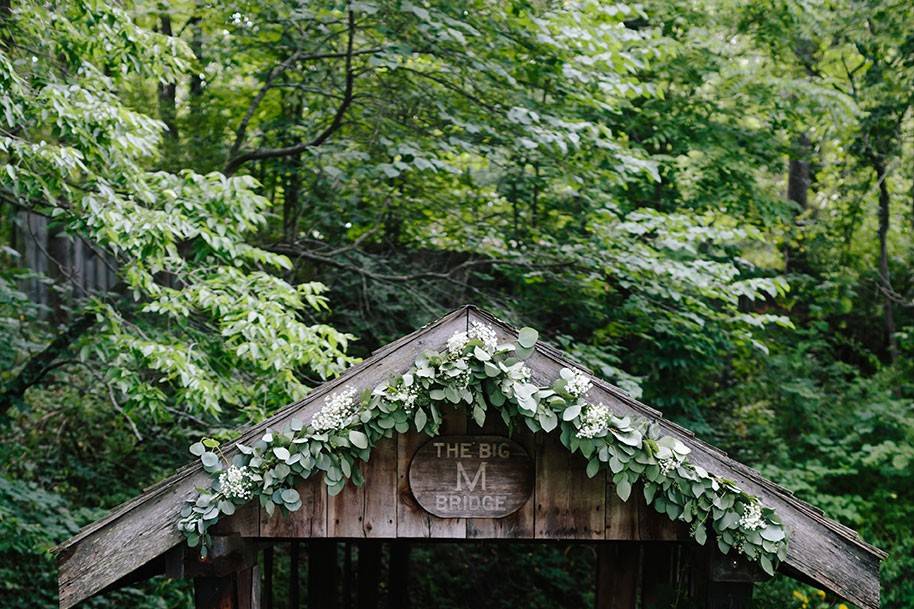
(821, 551)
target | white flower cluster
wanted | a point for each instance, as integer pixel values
(486, 334)
(405, 396)
(337, 411)
(594, 420)
(578, 384)
(457, 342)
(236, 483)
(241, 19)
(752, 517)
(669, 465)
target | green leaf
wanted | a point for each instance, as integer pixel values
(281, 453)
(209, 459)
(766, 563)
(358, 439)
(197, 449)
(773, 533)
(290, 495)
(593, 467)
(623, 489)
(420, 419)
(571, 412)
(527, 337)
(701, 535)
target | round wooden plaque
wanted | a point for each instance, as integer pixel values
(471, 476)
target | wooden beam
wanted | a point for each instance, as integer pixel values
(233, 591)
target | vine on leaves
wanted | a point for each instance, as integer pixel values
(476, 373)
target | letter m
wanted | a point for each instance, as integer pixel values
(464, 478)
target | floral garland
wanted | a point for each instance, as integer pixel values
(476, 373)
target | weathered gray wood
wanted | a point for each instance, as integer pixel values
(143, 528)
(233, 591)
(569, 505)
(308, 521)
(471, 476)
(617, 575)
(412, 520)
(821, 549)
(245, 522)
(369, 510)
(520, 524)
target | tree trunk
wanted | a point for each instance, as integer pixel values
(885, 279)
(168, 109)
(798, 181)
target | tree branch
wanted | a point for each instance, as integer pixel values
(41, 363)
(239, 159)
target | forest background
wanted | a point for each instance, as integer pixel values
(708, 202)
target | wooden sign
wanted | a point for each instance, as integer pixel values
(471, 476)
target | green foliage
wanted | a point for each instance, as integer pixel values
(623, 177)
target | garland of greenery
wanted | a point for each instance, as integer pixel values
(477, 373)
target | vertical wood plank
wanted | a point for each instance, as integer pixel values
(234, 591)
(412, 520)
(569, 505)
(520, 524)
(622, 516)
(617, 575)
(653, 526)
(309, 521)
(244, 522)
(369, 510)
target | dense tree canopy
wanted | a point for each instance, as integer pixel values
(709, 203)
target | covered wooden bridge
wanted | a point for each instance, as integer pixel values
(467, 483)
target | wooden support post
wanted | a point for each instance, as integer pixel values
(322, 574)
(398, 588)
(369, 574)
(617, 575)
(234, 591)
(295, 575)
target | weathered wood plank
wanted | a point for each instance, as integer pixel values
(412, 520)
(369, 510)
(617, 575)
(569, 505)
(309, 521)
(244, 522)
(520, 524)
